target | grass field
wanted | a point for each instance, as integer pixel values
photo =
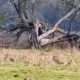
(17, 70)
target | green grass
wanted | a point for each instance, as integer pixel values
(10, 70)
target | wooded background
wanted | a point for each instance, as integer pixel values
(20, 17)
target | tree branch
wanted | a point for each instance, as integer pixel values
(25, 10)
(58, 39)
(60, 30)
(72, 21)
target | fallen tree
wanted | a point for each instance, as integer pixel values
(66, 37)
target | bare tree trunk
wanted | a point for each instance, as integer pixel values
(22, 10)
(25, 10)
(34, 37)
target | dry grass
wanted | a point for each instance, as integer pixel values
(37, 56)
(26, 55)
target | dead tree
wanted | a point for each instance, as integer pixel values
(66, 37)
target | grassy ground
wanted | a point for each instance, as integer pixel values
(12, 70)
(18, 71)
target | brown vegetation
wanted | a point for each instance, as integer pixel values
(46, 56)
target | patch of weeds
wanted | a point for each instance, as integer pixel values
(63, 68)
(23, 71)
(14, 71)
(30, 71)
(38, 50)
(48, 50)
(42, 53)
(27, 63)
(59, 62)
(11, 59)
(16, 75)
(35, 65)
(1, 74)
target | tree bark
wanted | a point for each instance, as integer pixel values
(34, 36)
